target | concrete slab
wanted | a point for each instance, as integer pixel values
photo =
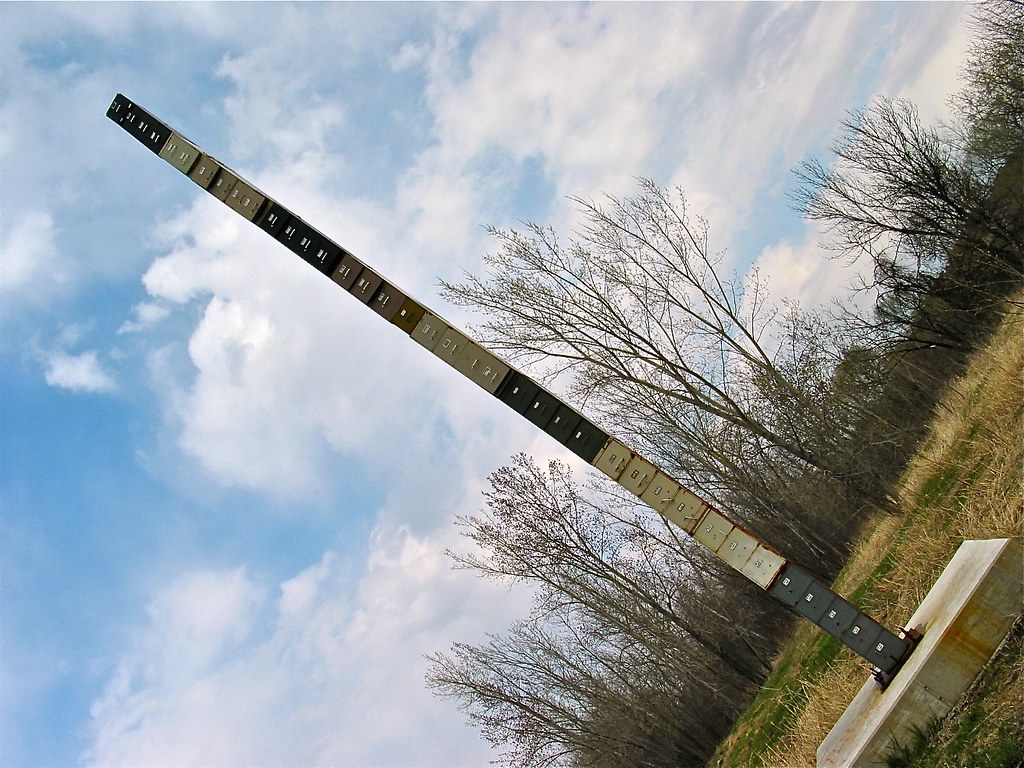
(963, 619)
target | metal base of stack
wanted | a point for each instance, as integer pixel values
(962, 620)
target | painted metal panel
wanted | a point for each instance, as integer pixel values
(274, 217)
(587, 440)
(815, 601)
(290, 233)
(637, 475)
(481, 367)
(326, 256)
(222, 184)
(713, 530)
(518, 391)
(147, 129)
(204, 170)
(451, 344)
(300, 238)
(118, 108)
(180, 152)
(387, 301)
(429, 330)
(737, 548)
(366, 285)
(154, 134)
(861, 634)
(612, 460)
(763, 566)
(886, 650)
(685, 510)
(791, 584)
(563, 424)
(347, 271)
(409, 315)
(542, 408)
(245, 200)
(838, 618)
(309, 243)
(660, 492)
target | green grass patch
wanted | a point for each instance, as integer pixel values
(880, 571)
(783, 697)
(908, 755)
(984, 733)
(937, 488)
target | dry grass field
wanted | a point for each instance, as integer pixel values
(965, 483)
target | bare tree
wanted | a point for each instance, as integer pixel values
(947, 244)
(640, 309)
(991, 103)
(630, 656)
(939, 209)
(556, 695)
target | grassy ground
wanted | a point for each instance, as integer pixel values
(965, 483)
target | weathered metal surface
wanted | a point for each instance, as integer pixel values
(763, 566)
(637, 475)
(713, 530)
(586, 440)
(203, 171)
(737, 547)
(685, 510)
(660, 492)
(963, 619)
(613, 459)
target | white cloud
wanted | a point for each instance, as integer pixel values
(197, 624)
(409, 56)
(202, 615)
(926, 58)
(225, 673)
(79, 373)
(288, 369)
(721, 99)
(802, 272)
(147, 314)
(275, 107)
(567, 84)
(29, 263)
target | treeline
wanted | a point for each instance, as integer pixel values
(641, 648)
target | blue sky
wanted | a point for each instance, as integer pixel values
(226, 487)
